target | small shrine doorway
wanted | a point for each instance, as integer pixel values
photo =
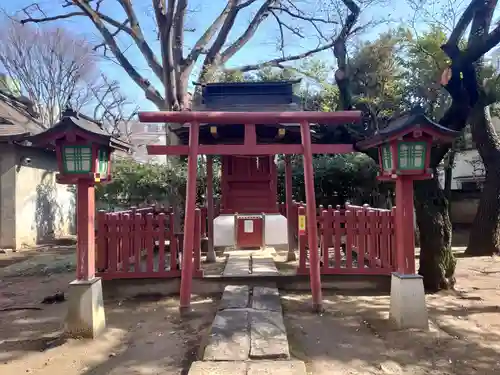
(248, 185)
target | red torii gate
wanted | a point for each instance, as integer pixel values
(250, 147)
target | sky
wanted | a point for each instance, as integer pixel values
(262, 47)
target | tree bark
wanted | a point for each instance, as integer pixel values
(437, 263)
(484, 238)
(448, 175)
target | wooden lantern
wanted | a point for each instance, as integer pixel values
(404, 146)
(84, 161)
(82, 147)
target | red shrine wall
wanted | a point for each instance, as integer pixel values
(248, 185)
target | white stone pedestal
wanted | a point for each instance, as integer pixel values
(85, 316)
(408, 308)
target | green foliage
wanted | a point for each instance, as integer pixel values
(424, 62)
(337, 178)
(140, 183)
(376, 76)
(135, 183)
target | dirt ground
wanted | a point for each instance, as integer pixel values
(145, 336)
(354, 337)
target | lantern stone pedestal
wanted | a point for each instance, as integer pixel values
(408, 308)
(85, 317)
(404, 147)
(83, 151)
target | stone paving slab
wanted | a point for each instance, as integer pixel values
(248, 368)
(235, 297)
(265, 298)
(268, 338)
(229, 337)
(218, 368)
(276, 368)
(237, 266)
(264, 267)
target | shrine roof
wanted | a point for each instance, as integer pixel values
(268, 96)
(253, 83)
(247, 96)
(414, 119)
(74, 121)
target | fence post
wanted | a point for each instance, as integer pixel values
(392, 245)
(113, 243)
(350, 236)
(137, 249)
(160, 221)
(326, 235)
(338, 218)
(197, 242)
(102, 242)
(361, 245)
(372, 237)
(125, 239)
(174, 264)
(302, 236)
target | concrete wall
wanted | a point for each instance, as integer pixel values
(464, 210)
(464, 206)
(7, 196)
(44, 210)
(467, 164)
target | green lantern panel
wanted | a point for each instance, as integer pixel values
(411, 155)
(386, 158)
(77, 159)
(102, 157)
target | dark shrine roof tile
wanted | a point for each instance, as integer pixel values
(71, 118)
(405, 122)
(17, 117)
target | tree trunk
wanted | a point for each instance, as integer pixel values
(437, 263)
(448, 175)
(484, 237)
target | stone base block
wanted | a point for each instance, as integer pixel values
(408, 308)
(85, 317)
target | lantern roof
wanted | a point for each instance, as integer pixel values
(77, 125)
(406, 124)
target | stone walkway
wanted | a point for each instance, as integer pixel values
(246, 264)
(248, 336)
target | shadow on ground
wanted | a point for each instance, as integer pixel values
(354, 336)
(145, 334)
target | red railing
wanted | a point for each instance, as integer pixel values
(142, 243)
(354, 240)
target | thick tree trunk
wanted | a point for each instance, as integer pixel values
(437, 263)
(484, 237)
(448, 175)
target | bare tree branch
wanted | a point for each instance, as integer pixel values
(463, 22)
(250, 31)
(301, 16)
(51, 67)
(98, 20)
(340, 52)
(277, 62)
(150, 92)
(203, 41)
(173, 69)
(111, 108)
(140, 40)
(178, 43)
(53, 18)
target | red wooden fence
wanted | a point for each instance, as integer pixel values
(142, 243)
(354, 240)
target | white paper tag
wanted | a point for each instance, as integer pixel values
(248, 226)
